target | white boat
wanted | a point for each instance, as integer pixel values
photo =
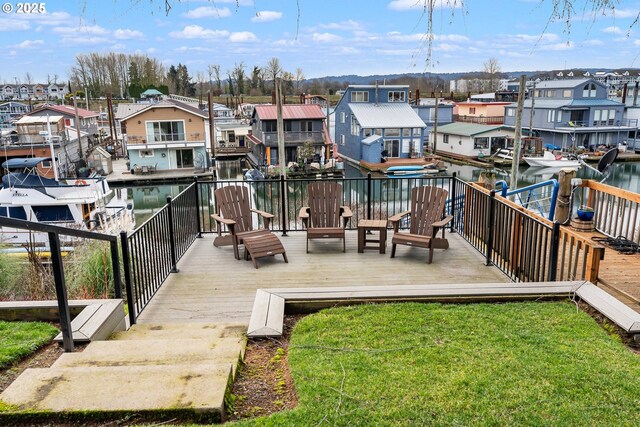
(551, 160)
(82, 203)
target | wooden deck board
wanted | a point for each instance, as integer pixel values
(212, 286)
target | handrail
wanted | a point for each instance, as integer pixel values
(54, 232)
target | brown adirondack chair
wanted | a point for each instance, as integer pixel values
(427, 218)
(234, 211)
(325, 218)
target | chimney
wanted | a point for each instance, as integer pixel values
(417, 96)
(624, 93)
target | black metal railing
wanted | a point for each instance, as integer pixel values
(152, 251)
(55, 249)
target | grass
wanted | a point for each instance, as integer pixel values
(19, 339)
(478, 364)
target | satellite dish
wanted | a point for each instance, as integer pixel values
(607, 160)
(604, 164)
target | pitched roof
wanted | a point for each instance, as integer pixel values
(166, 103)
(26, 119)
(467, 129)
(290, 112)
(126, 109)
(386, 115)
(562, 84)
(568, 103)
(67, 110)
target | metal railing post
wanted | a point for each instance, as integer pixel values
(369, 195)
(490, 223)
(115, 265)
(199, 236)
(61, 292)
(553, 256)
(172, 241)
(126, 265)
(283, 201)
(452, 211)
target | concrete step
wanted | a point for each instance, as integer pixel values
(156, 352)
(173, 331)
(198, 387)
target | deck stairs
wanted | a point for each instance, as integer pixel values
(168, 367)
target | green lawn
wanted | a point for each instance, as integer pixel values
(477, 364)
(19, 339)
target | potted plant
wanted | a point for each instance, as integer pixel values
(585, 213)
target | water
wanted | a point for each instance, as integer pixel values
(149, 199)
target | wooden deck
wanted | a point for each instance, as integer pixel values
(212, 286)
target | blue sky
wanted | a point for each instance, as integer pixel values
(330, 37)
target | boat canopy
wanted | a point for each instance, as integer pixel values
(21, 162)
(27, 180)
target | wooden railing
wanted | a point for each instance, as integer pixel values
(525, 246)
(617, 211)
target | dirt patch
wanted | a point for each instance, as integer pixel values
(43, 358)
(263, 384)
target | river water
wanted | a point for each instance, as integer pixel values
(149, 199)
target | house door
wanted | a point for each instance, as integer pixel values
(184, 158)
(392, 147)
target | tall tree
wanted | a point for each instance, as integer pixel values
(492, 72)
(299, 78)
(238, 75)
(273, 69)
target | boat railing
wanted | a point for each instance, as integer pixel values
(617, 211)
(540, 197)
(54, 232)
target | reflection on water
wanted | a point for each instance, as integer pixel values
(148, 200)
(230, 170)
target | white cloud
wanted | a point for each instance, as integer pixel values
(198, 32)
(126, 34)
(349, 25)
(152, 50)
(208, 12)
(118, 46)
(83, 40)
(530, 39)
(266, 16)
(625, 13)
(397, 36)
(558, 46)
(594, 43)
(13, 25)
(326, 38)
(95, 30)
(419, 4)
(242, 37)
(613, 30)
(446, 47)
(451, 37)
(27, 44)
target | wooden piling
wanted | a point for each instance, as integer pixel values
(563, 207)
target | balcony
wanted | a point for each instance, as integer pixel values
(624, 124)
(165, 138)
(482, 120)
(271, 138)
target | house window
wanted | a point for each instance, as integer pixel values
(396, 96)
(589, 90)
(550, 93)
(392, 132)
(367, 132)
(165, 131)
(551, 116)
(377, 132)
(355, 126)
(472, 110)
(343, 117)
(342, 139)
(270, 126)
(445, 139)
(287, 126)
(481, 143)
(392, 147)
(359, 96)
(306, 126)
(511, 112)
(406, 132)
(417, 131)
(567, 93)
(146, 153)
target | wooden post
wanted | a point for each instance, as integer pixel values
(77, 118)
(563, 209)
(518, 137)
(435, 127)
(282, 158)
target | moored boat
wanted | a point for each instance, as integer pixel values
(549, 159)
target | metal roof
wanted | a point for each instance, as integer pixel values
(562, 84)
(467, 129)
(68, 110)
(127, 109)
(371, 139)
(289, 112)
(568, 103)
(167, 103)
(38, 119)
(386, 115)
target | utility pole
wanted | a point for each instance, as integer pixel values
(282, 158)
(435, 126)
(518, 137)
(75, 108)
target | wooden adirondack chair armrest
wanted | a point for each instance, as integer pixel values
(228, 222)
(265, 215)
(395, 220)
(441, 224)
(346, 214)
